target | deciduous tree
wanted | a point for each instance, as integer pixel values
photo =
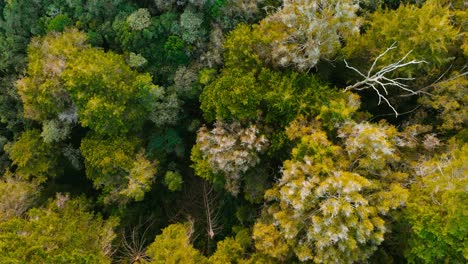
(330, 204)
(230, 150)
(304, 31)
(437, 211)
(118, 166)
(16, 196)
(33, 157)
(428, 33)
(174, 246)
(62, 232)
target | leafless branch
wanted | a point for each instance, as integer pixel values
(212, 215)
(379, 82)
(400, 114)
(440, 81)
(134, 244)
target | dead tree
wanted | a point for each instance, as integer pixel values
(134, 243)
(379, 82)
(212, 214)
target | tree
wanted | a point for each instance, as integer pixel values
(58, 23)
(428, 33)
(269, 241)
(16, 196)
(240, 48)
(246, 94)
(235, 94)
(437, 211)
(232, 249)
(139, 19)
(164, 5)
(331, 201)
(173, 246)
(167, 111)
(302, 32)
(19, 22)
(227, 251)
(161, 40)
(110, 97)
(64, 73)
(230, 151)
(33, 157)
(381, 83)
(191, 23)
(55, 131)
(173, 180)
(62, 232)
(118, 166)
(449, 99)
(42, 90)
(230, 13)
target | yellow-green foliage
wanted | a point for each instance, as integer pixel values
(16, 196)
(269, 241)
(247, 90)
(338, 110)
(450, 99)
(117, 166)
(227, 251)
(42, 90)
(426, 31)
(110, 97)
(240, 48)
(245, 94)
(64, 72)
(173, 246)
(370, 146)
(330, 204)
(234, 94)
(202, 168)
(437, 209)
(33, 157)
(62, 232)
(459, 14)
(173, 180)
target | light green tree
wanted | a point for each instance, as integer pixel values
(437, 210)
(174, 246)
(139, 19)
(331, 202)
(16, 196)
(449, 98)
(118, 166)
(33, 157)
(62, 232)
(428, 34)
(41, 89)
(66, 76)
(110, 97)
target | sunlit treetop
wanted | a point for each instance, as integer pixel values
(64, 74)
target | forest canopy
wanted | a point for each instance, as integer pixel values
(233, 131)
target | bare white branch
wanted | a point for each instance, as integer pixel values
(379, 82)
(211, 212)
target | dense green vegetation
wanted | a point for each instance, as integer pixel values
(226, 131)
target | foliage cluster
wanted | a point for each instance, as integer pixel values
(225, 131)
